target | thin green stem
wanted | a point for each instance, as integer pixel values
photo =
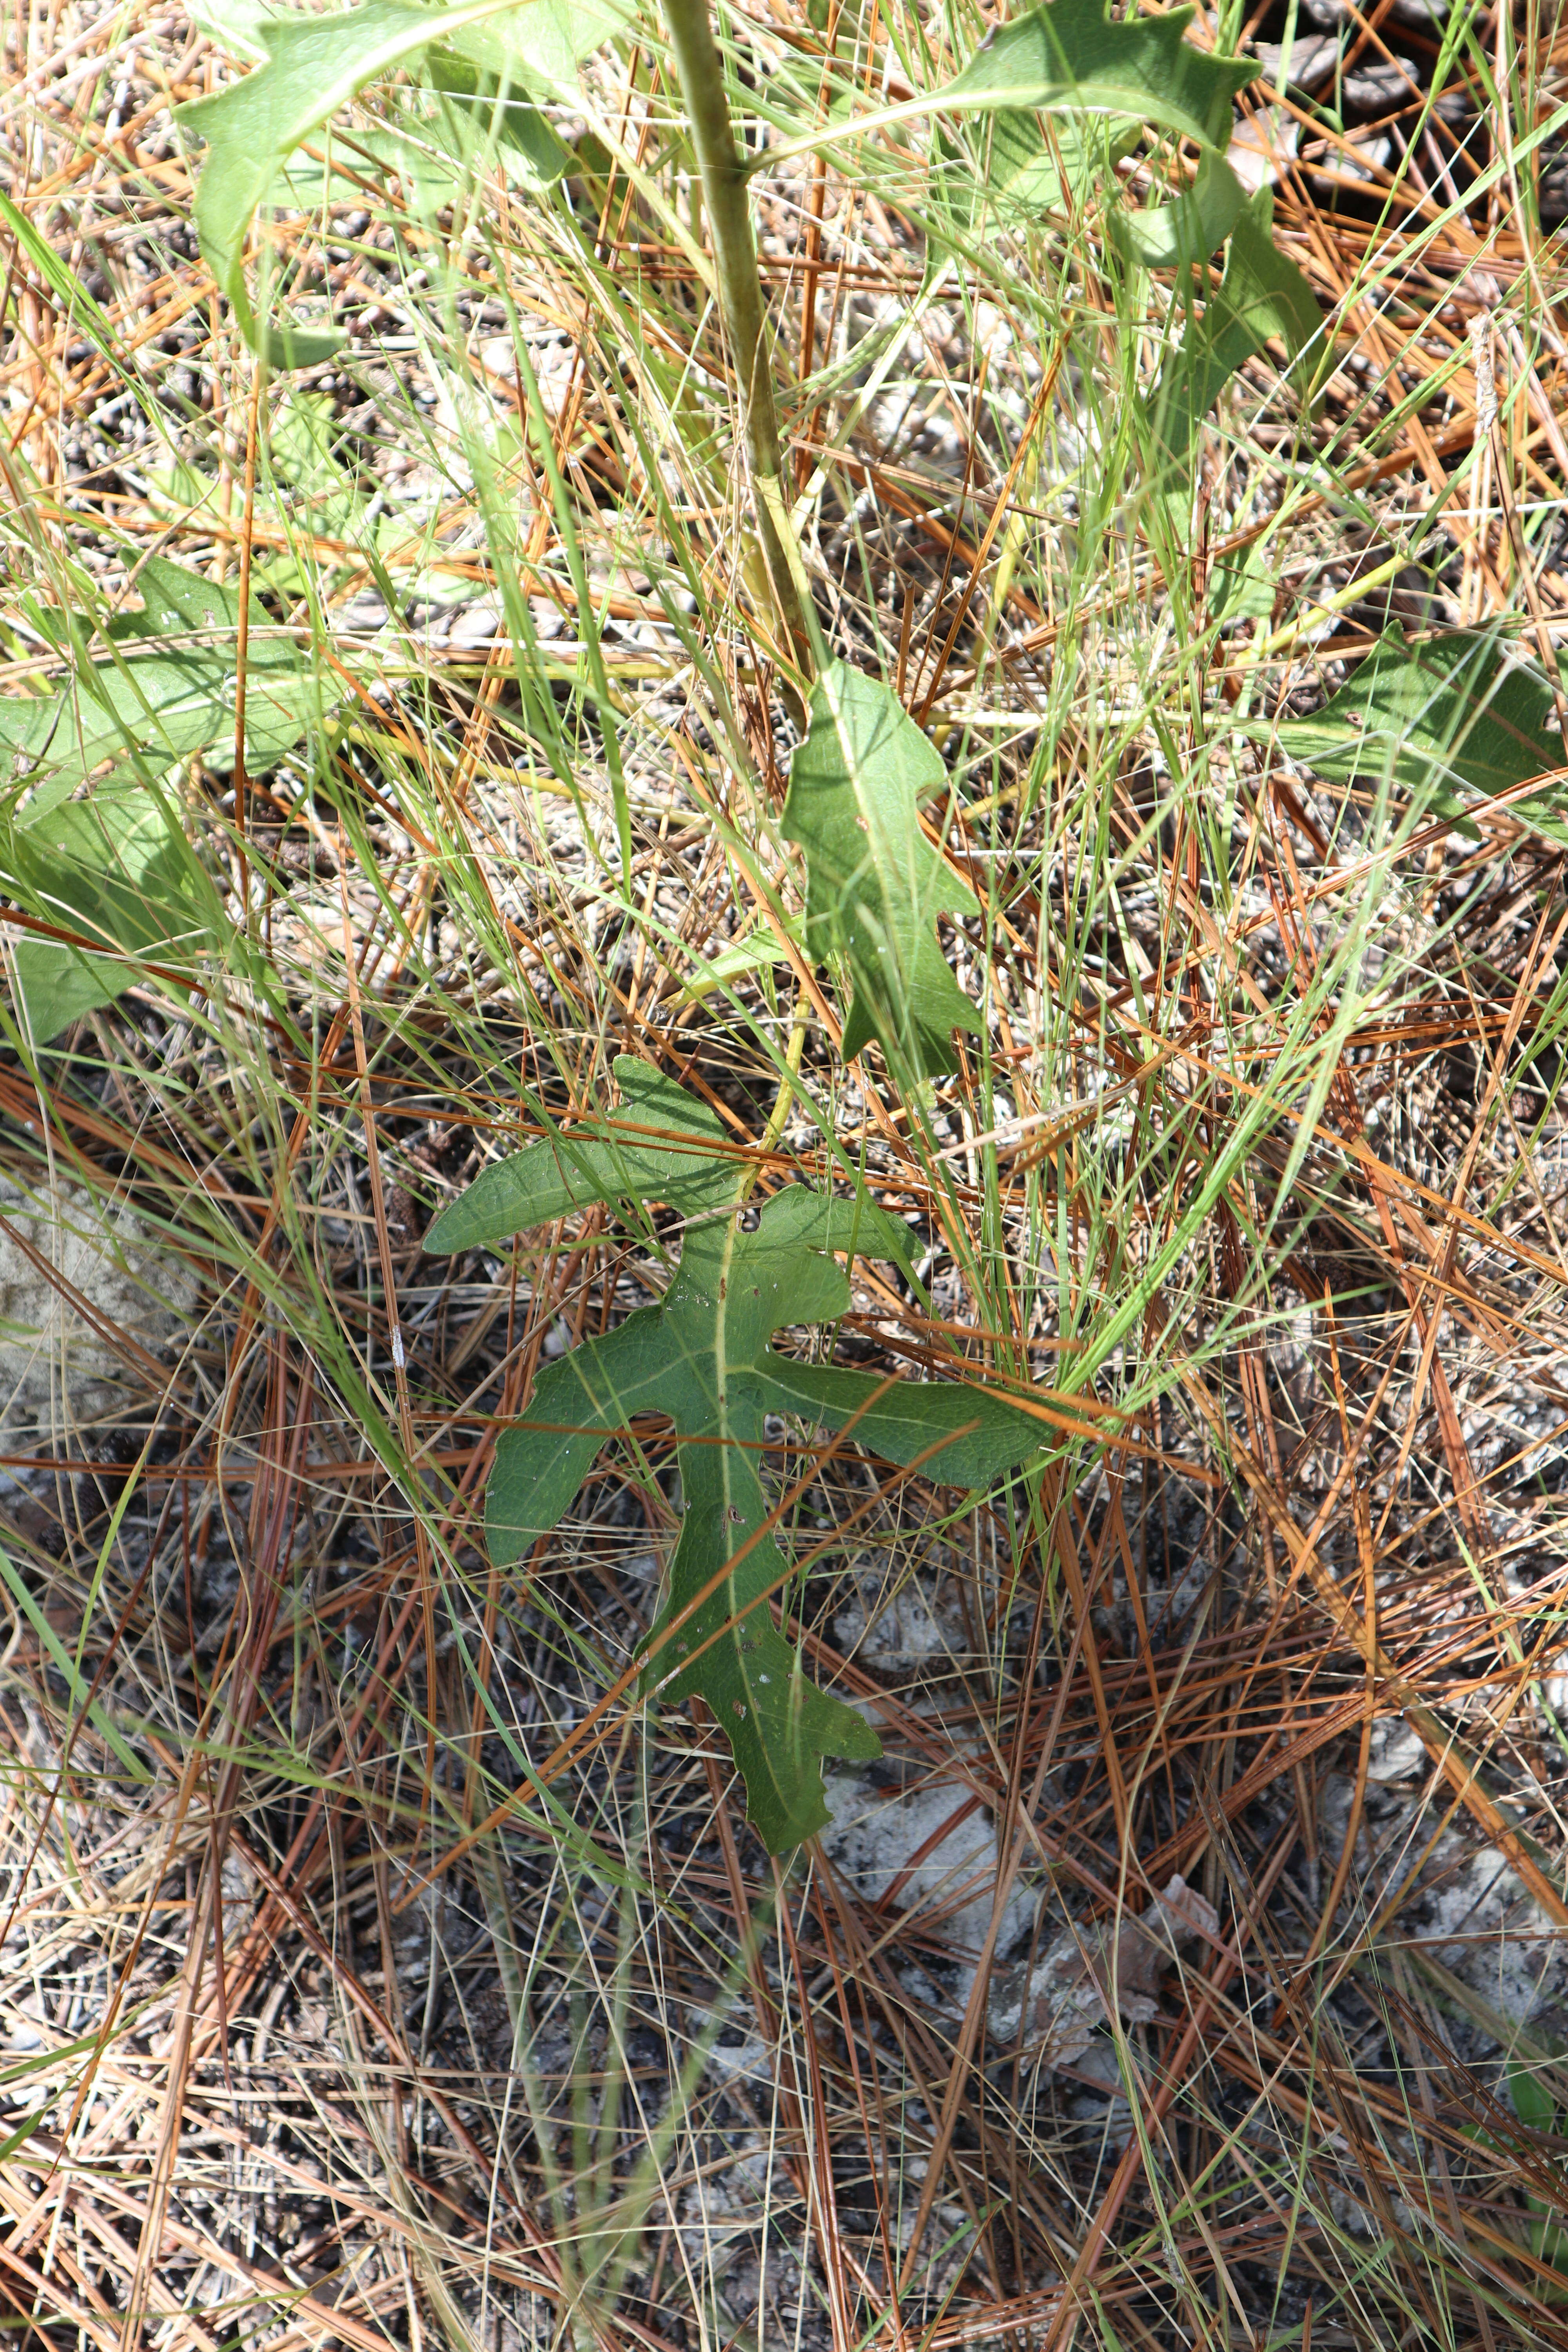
(722, 167)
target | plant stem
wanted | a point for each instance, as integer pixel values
(723, 170)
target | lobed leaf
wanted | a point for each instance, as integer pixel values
(875, 886)
(662, 1145)
(1070, 56)
(310, 66)
(701, 1358)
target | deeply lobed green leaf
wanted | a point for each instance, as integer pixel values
(702, 1358)
(875, 886)
(1070, 54)
(310, 66)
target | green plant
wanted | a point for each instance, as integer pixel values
(874, 883)
(1538, 2109)
(1458, 714)
(1254, 1145)
(701, 1358)
(150, 692)
(863, 765)
(309, 65)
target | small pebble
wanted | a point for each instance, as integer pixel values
(476, 624)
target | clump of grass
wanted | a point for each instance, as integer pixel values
(352, 1995)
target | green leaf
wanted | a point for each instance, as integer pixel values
(1537, 2109)
(117, 868)
(1548, 2242)
(661, 1145)
(167, 705)
(57, 984)
(115, 863)
(312, 67)
(1067, 60)
(777, 1723)
(1192, 225)
(156, 709)
(1263, 296)
(577, 1403)
(967, 1437)
(1462, 713)
(702, 1358)
(476, 100)
(237, 26)
(173, 599)
(1070, 56)
(1004, 170)
(539, 47)
(875, 886)
(1532, 2101)
(759, 952)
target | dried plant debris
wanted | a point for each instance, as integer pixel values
(1094, 1973)
(917, 1843)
